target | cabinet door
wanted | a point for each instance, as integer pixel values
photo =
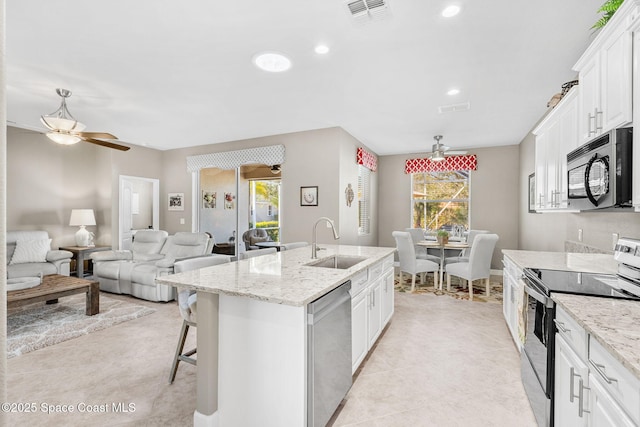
(387, 298)
(589, 98)
(616, 90)
(604, 411)
(568, 142)
(375, 312)
(359, 329)
(552, 194)
(571, 376)
(541, 170)
(635, 187)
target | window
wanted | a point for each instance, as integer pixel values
(440, 199)
(364, 200)
(264, 206)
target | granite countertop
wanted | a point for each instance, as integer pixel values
(281, 278)
(614, 323)
(584, 262)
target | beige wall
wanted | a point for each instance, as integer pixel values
(494, 196)
(548, 231)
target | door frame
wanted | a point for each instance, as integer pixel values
(156, 202)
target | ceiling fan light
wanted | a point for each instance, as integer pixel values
(63, 138)
(61, 123)
(437, 156)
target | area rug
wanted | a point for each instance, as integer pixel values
(39, 325)
(457, 291)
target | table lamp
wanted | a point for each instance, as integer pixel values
(82, 218)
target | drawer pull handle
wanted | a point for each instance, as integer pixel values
(561, 326)
(581, 399)
(600, 369)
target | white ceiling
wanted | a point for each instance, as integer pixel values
(169, 74)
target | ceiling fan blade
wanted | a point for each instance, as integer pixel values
(101, 135)
(106, 144)
(456, 153)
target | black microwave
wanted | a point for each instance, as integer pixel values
(599, 172)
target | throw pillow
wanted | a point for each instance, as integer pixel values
(30, 251)
(255, 239)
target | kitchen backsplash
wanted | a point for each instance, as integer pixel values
(581, 248)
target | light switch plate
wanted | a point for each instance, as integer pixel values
(579, 234)
(181, 221)
(614, 239)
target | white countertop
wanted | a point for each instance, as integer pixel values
(584, 262)
(281, 278)
(614, 323)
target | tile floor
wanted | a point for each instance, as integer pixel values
(441, 362)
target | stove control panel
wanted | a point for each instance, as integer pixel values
(627, 251)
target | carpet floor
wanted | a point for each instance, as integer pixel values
(39, 325)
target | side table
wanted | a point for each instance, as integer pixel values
(224, 248)
(79, 254)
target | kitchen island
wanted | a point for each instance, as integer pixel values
(252, 332)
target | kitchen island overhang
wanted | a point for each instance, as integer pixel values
(252, 332)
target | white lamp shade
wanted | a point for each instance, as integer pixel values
(82, 217)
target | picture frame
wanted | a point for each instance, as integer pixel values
(209, 199)
(175, 201)
(309, 196)
(532, 193)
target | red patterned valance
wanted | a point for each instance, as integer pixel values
(367, 159)
(450, 163)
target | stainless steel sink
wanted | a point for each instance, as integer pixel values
(341, 262)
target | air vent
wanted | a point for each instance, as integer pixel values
(367, 9)
(454, 108)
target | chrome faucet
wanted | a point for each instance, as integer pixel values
(314, 246)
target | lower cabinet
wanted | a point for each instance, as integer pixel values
(371, 308)
(604, 410)
(513, 300)
(571, 376)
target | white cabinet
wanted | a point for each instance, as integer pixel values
(513, 300)
(372, 301)
(605, 74)
(604, 410)
(570, 391)
(375, 311)
(359, 329)
(387, 298)
(635, 187)
(556, 136)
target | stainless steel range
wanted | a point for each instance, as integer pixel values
(538, 351)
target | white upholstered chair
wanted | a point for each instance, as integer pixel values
(464, 255)
(187, 302)
(408, 261)
(479, 264)
(294, 245)
(256, 252)
(417, 234)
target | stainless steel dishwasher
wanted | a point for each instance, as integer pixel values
(328, 354)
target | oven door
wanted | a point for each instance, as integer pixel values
(539, 335)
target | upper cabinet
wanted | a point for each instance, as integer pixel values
(605, 73)
(556, 135)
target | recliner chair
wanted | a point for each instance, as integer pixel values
(253, 236)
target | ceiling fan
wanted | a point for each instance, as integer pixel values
(438, 150)
(65, 129)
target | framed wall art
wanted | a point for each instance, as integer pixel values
(532, 193)
(209, 199)
(176, 201)
(309, 196)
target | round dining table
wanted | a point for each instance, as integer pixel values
(449, 245)
(270, 244)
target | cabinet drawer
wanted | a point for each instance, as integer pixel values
(359, 282)
(387, 263)
(375, 271)
(572, 332)
(621, 384)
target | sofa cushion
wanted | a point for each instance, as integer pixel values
(144, 274)
(108, 270)
(30, 269)
(149, 241)
(30, 251)
(185, 244)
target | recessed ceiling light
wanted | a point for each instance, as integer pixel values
(453, 92)
(272, 62)
(322, 49)
(450, 11)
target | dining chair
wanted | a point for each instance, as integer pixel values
(464, 254)
(479, 264)
(187, 303)
(417, 234)
(408, 261)
(294, 245)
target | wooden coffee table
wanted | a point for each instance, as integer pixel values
(56, 286)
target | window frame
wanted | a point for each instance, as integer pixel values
(426, 201)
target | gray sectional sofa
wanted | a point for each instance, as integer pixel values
(34, 257)
(153, 254)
